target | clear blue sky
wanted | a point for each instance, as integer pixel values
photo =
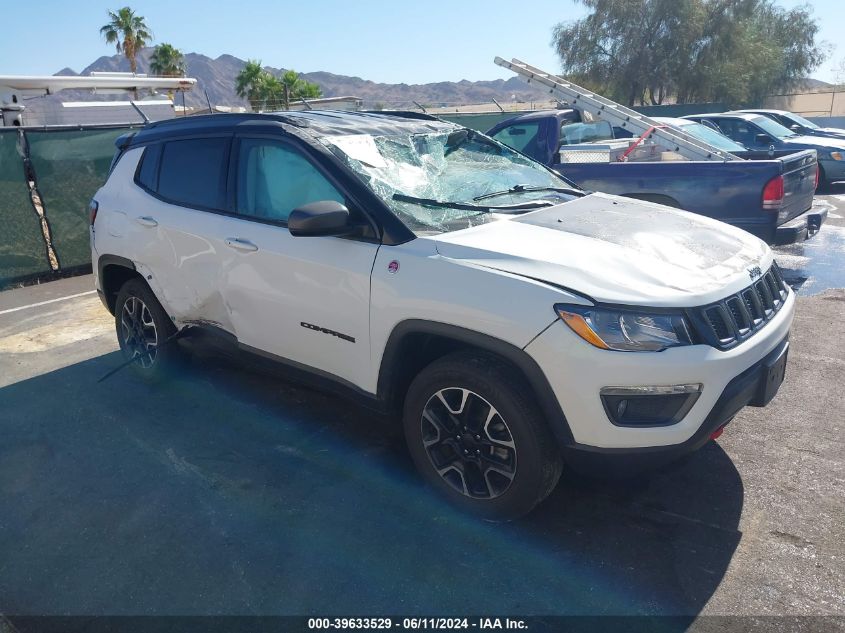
(396, 41)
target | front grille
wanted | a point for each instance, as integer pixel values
(735, 318)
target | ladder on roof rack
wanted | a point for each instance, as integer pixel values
(618, 115)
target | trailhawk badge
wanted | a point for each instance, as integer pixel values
(755, 272)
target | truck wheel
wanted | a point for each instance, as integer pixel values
(476, 436)
(142, 327)
(822, 179)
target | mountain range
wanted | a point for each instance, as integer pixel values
(217, 78)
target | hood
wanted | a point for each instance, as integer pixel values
(835, 131)
(814, 142)
(616, 250)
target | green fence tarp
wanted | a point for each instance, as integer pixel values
(22, 249)
(70, 165)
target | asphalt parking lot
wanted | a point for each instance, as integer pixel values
(232, 492)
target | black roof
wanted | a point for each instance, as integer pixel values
(310, 122)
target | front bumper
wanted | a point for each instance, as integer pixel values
(747, 389)
(801, 228)
(577, 371)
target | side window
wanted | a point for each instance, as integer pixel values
(522, 137)
(748, 133)
(148, 168)
(193, 172)
(728, 128)
(274, 179)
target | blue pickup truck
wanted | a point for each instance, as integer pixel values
(769, 194)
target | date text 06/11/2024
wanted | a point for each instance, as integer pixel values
(412, 624)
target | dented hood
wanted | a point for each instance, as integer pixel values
(616, 250)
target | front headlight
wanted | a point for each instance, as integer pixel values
(626, 330)
(837, 156)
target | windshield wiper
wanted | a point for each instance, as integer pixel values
(526, 188)
(464, 206)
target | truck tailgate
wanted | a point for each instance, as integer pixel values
(799, 184)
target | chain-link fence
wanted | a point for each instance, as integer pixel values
(47, 178)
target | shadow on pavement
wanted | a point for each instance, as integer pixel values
(229, 492)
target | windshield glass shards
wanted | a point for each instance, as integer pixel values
(433, 181)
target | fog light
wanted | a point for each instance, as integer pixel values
(649, 406)
(620, 408)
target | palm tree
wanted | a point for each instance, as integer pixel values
(299, 88)
(249, 84)
(128, 32)
(272, 91)
(167, 61)
(259, 87)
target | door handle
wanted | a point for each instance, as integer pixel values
(240, 244)
(146, 220)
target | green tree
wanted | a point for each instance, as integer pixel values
(299, 88)
(272, 92)
(167, 61)
(250, 81)
(263, 89)
(730, 51)
(128, 32)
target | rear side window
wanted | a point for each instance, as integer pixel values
(148, 169)
(574, 133)
(193, 172)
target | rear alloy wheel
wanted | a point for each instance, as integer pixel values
(477, 436)
(143, 330)
(139, 337)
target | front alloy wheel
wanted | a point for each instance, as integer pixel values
(477, 436)
(469, 443)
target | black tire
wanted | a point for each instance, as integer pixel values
(477, 481)
(136, 300)
(822, 180)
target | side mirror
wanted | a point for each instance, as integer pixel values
(326, 217)
(762, 139)
(795, 127)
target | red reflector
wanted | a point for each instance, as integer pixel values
(817, 175)
(773, 193)
(715, 434)
(92, 211)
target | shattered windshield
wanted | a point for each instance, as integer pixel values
(440, 181)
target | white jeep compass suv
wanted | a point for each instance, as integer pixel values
(515, 321)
